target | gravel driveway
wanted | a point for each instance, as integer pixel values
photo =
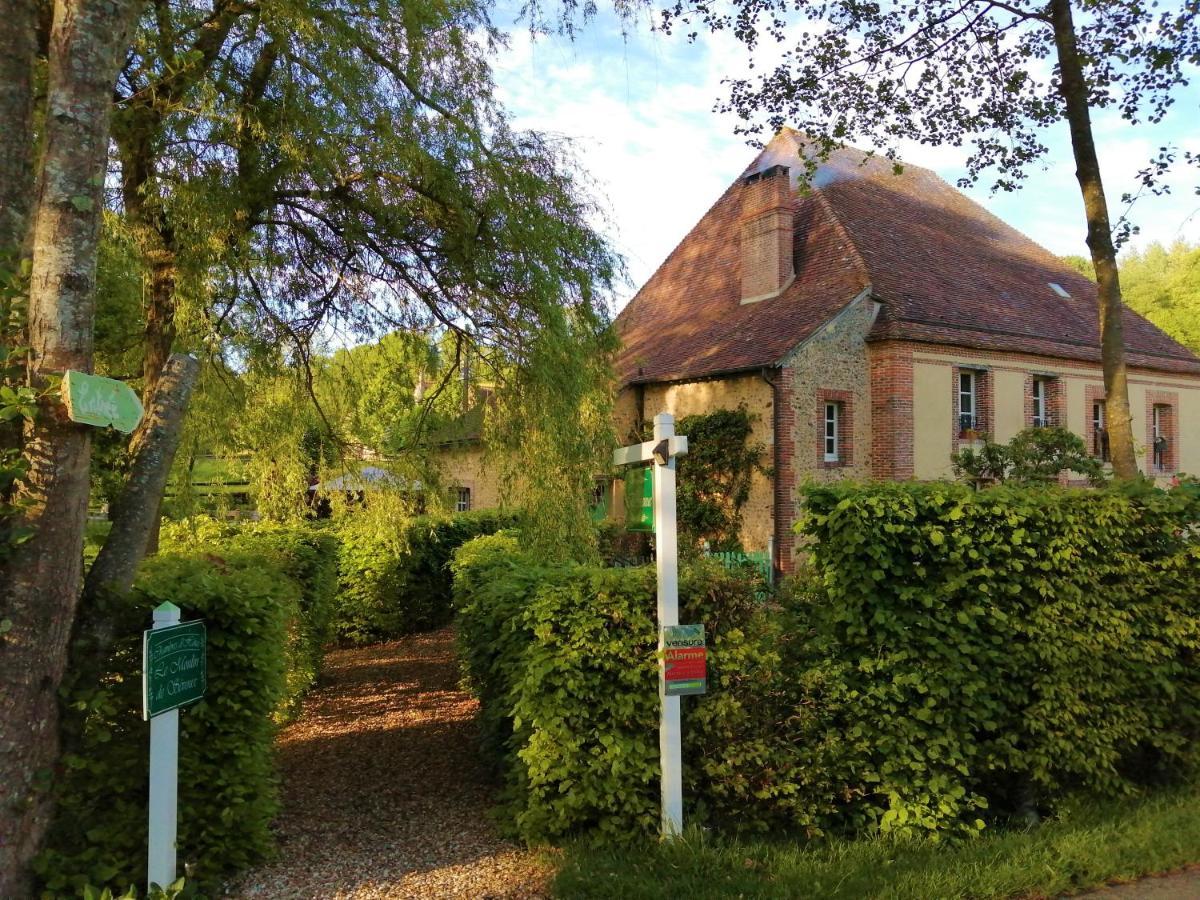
(383, 795)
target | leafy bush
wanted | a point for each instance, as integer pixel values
(308, 554)
(563, 661)
(395, 572)
(1035, 456)
(994, 651)
(960, 657)
(227, 789)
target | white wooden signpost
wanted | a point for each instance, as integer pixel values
(662, 452)
(174, 674)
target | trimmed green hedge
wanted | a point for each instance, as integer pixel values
(563, 661)
(228, 793)
(308, 553)
(956, 658)
(395, 575)
(982, 654)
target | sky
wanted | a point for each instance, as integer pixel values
(640, 113)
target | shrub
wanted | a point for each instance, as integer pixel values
(395, 573)
(563, 661)
(1035, 456)
(997, 650)
(227, 786)
(308, 554)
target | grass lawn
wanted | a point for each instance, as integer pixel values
(218, 469)
(1084, 847)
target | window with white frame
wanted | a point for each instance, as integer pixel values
(832, 415)
(1099, 431)
(462, 499)
(1160, 437)
(968, 384)
(1040, 418)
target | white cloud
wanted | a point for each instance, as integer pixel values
(641, 113)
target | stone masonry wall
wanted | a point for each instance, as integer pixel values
(831, 366)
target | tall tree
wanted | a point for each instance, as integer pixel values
(39, 580)
(995, 74)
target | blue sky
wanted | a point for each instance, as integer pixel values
(641, 114)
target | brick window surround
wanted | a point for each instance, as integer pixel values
(845, 427)
(1167, 403)
(983, 403)
(1092, 394)
(1054, 410)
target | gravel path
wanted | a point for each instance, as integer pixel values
(383, 795)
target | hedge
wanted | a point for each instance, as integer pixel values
(395, 574)
(954, 658)
(982, 654)
(563, 661)
(228, 796)
(308, 553)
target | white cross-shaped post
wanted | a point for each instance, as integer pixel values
(662, 452)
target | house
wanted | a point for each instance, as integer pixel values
(874, 322)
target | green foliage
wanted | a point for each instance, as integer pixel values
(1035, 456)
(714, 476)
(228, 797)
(306, 554)
(172, 891)
(395, 569)
(1086, 845)
(562, 658)
(1163, 284)
(982, 654)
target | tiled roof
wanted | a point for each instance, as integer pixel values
(945, 269)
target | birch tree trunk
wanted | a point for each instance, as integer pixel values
(39, 585)
(1073, 88)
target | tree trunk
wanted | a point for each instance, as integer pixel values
(39, 584)
(1073, 88)
(18, 37)
(136, 520)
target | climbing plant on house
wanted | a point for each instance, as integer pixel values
(715, 475)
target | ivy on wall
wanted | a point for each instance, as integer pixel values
(714, 476)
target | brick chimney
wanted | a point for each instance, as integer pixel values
(766, 225)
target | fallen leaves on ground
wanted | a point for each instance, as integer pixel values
(384, 795)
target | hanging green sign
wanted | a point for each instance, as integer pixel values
(174, 671)
(94, 400)
(639, 499)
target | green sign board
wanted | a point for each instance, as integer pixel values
(639, 499)
(94, 400)
(685, 660)
(174, 671)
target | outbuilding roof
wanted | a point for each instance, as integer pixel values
(944, 269)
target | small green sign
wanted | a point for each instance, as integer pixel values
(94, 400)
(174, 670)
(639, 499)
